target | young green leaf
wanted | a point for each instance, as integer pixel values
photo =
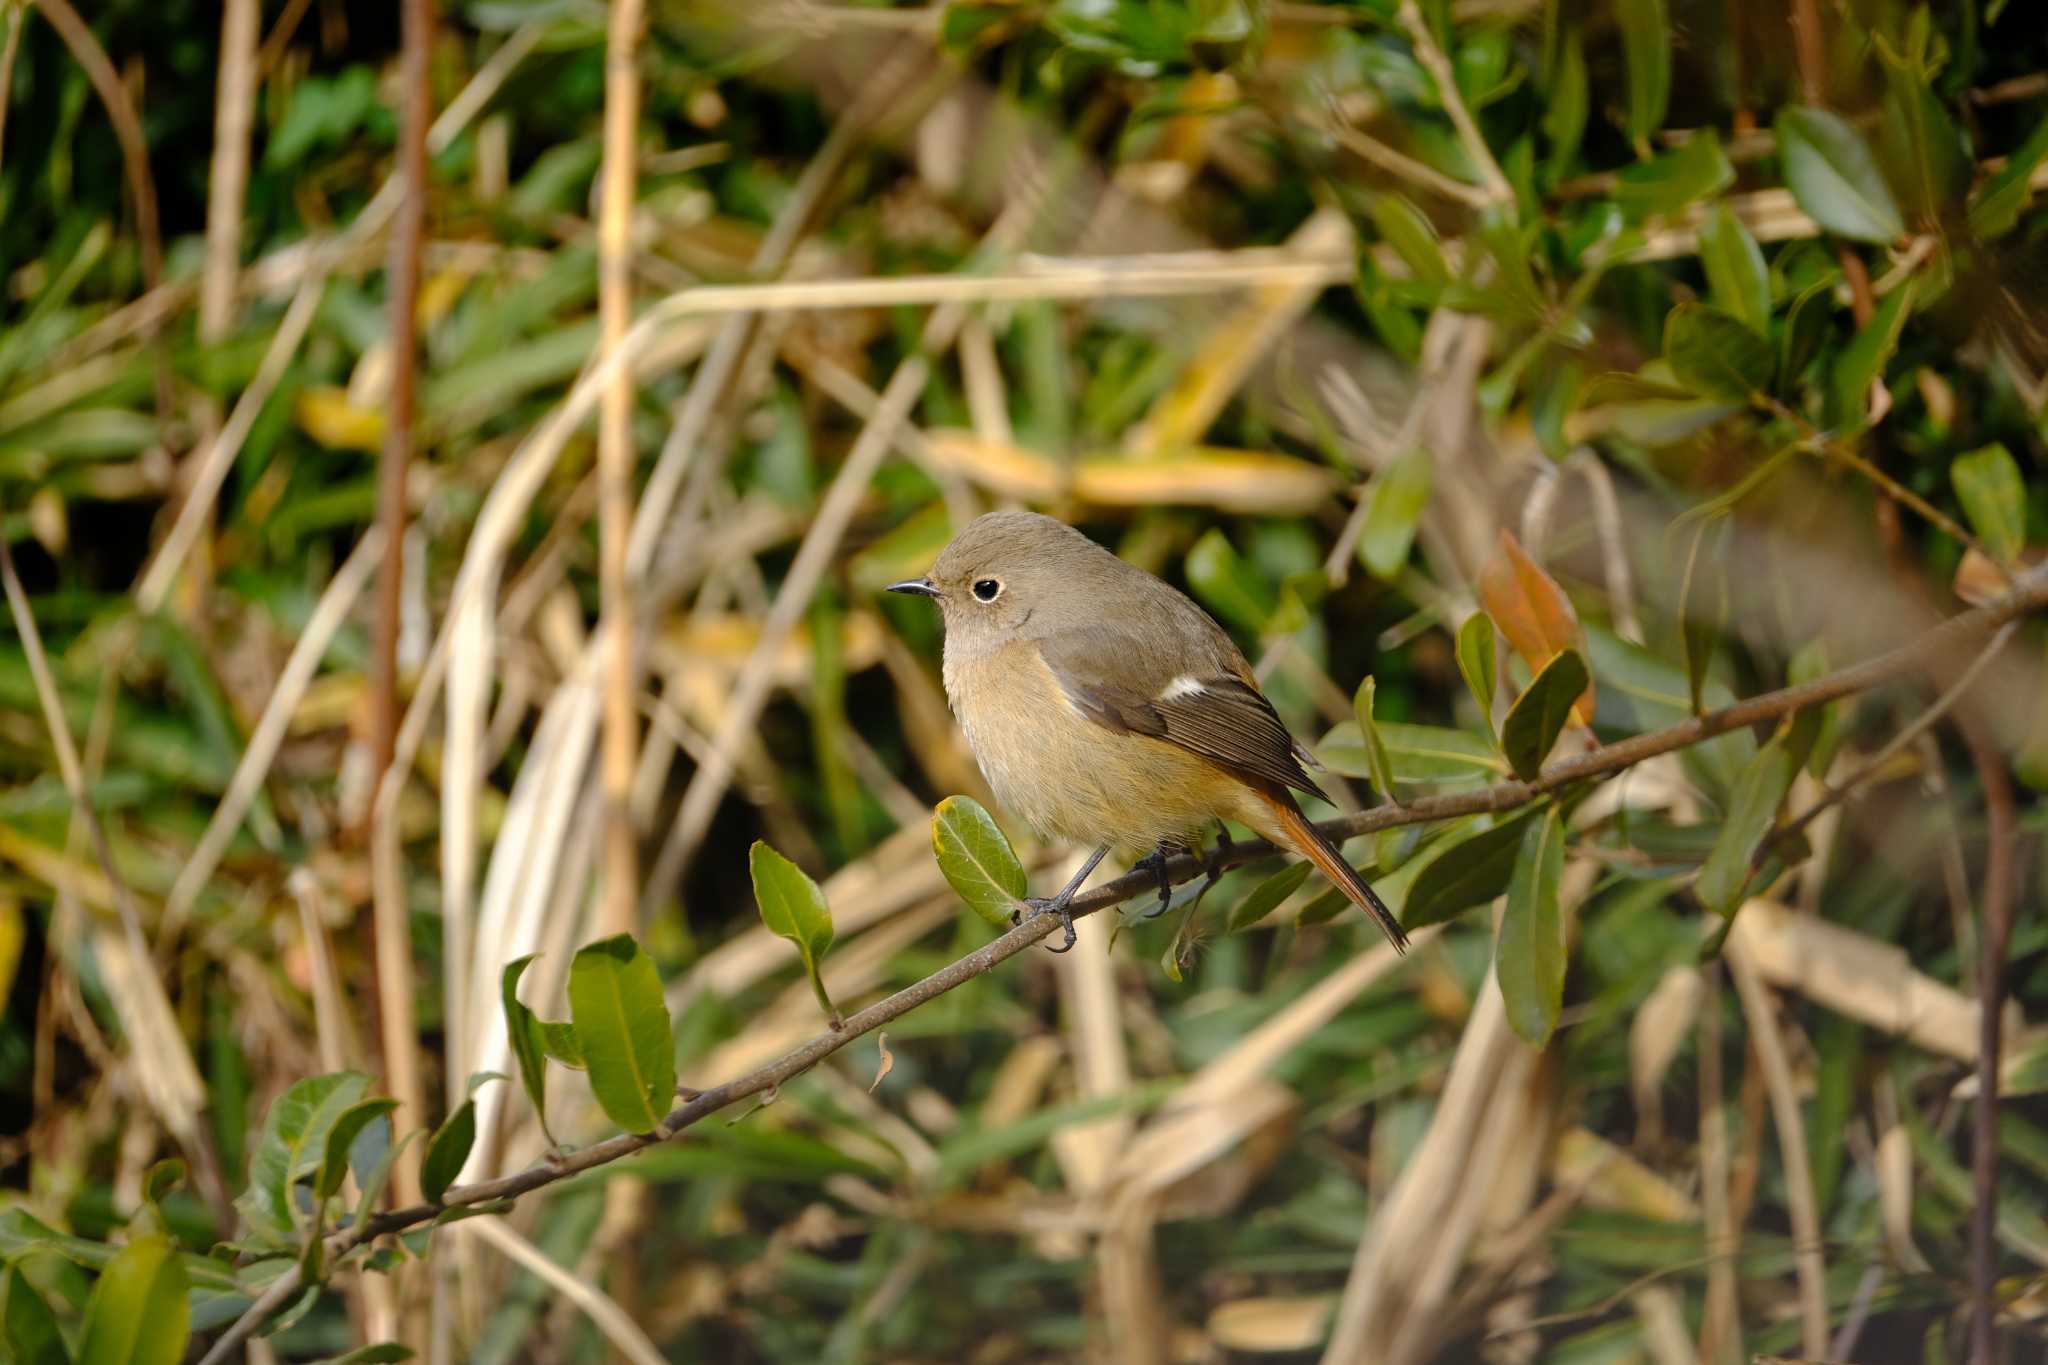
(1834, 176)
(1716, 354)
(1427, 755)
(977, 861)
(449, 1148)
(1994, 497)
(1564, 118)
(293, 1143)
(1695, 169)
(138, 1314)
(523, 1030)
(1736, 275)
(1703, 606)
(793, 906)
(622, 1025)
(558, 1040)
(1530, 958)
(1402, 227)
(1537, 718)
(1922, 149)
(1463, 874)
(1377, 761)
(1997, 207)
(1646, 52)
(1477, 661)
(162, 1178)
(342, 1136)
(1752, 811)
(29, 1332)
(1267, 896)
(1398, 497)
(1861, 363)
(1806, 325)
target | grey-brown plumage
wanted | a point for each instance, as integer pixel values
(1105, 707)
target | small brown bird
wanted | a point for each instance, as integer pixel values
(1106, 708)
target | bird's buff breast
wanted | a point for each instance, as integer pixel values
(1067, 776)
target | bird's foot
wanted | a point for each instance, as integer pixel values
(1034, 906)
(1217, 857)
(1155, 863)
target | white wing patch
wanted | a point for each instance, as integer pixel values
(1186, 685)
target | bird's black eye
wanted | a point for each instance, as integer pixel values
(987, 589)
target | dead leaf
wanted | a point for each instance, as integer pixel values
(1532, 612)
(888, 1060)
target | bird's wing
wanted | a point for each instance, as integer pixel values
(1212, 709)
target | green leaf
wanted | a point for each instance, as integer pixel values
(558, 1040)
(28, 1329)
(138, 1314)
(1478, 662)
(449, 1148)
(1716, 354)
(977, 861)
(1834, 176)
(292, 1144)
(1997, 207)
(1806, 325)
(1267, 896)
(1564, 118)
(371, 1183)
(1537, 718)
(622, 1026)
(342, 1136)
(1226, 584)
(1862, 361)
(1696, 169)
(1378, 763)
(379, 1353)
(162, 1178)
(1735, 269)
(793, 906)
(1927, 157)
(1422, 754)
(1646, 50)
(1466, 873)
(1752, 811)
(523, 1030)
(1994, 497)
(1703, 607)
(1398, 497)
(1530, 957)
(1402, 227)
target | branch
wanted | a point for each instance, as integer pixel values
(2030, 594)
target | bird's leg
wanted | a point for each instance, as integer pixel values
(1155, 863)
(1217, 856)
(1057, 905)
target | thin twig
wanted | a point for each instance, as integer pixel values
(1370, 149)
(1432, 57)
(1994, 933)
(621, 743)
(2030, 594)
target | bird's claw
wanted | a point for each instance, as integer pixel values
(1051, 905)
(1155, 863)
(1217, 856)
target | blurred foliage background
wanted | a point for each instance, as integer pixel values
(1421, 342)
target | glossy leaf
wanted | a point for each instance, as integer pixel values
(524, 1033)
(334, 1159)
(1736, 274)
(138, 1314)
(1379, 765)
(1752, 812)
(1469, 872)
(1399, 495)
(1716, 354)
(1531, 611)
(793, 907)
(1994, 497)
(1530, 960)
(1478, 664)
(1835, 177)
(1646, 52)
(1267, 896)
(977, 860)
(622, 1024)
(1536, 719)
(449, 1148)
(293, 1143)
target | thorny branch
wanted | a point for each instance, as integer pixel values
(2029, 594)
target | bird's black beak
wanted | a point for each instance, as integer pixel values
(921, 586)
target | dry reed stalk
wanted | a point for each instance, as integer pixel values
(228, 175)
(612, 1321)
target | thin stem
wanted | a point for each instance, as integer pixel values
(1432, 56)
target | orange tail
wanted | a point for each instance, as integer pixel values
(1311, 843)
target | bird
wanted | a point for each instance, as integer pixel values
(1106, 708)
